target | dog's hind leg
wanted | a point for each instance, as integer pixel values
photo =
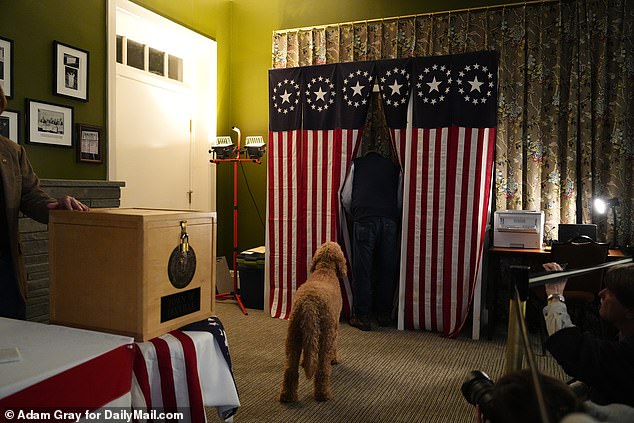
(336, 358)
(324, 366)
(293, 354)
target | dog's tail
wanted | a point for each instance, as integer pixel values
(311, 335)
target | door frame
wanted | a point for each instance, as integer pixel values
(111, 120)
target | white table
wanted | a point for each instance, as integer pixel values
(59, 366)
(64, 368)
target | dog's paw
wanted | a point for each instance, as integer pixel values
(322, 396)
(288, 397)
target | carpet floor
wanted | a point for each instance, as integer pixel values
(386, 375)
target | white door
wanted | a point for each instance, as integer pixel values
(162, 101)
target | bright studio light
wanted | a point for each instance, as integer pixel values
(600, 206)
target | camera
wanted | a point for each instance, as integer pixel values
(477, 390)
(514, 397)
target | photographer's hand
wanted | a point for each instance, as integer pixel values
(558, 286)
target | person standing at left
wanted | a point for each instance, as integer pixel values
(19, 192)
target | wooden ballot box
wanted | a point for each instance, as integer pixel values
(135, 272)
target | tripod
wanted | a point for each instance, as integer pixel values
(235, 160)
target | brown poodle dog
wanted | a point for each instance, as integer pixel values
(314, 324)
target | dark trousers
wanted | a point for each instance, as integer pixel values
(11, 303)
(374, 249)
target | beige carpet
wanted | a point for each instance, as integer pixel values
(386, 375)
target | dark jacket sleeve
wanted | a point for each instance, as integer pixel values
(33, 200)
(604, 365)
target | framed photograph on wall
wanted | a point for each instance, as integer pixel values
(48, 123)
(89, 143)
(6, 66)
(70, 73)
(10, 124)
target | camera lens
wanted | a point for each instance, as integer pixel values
(477, 387)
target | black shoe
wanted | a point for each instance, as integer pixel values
(385, 320)
(361, 322)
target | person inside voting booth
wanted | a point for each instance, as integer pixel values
(19, 192)
(606, 366)
(372, 196)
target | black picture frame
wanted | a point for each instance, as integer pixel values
(89, 143)
(70, 71)
(6, 66)
(48, 123)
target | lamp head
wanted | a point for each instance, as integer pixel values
(223, 147)
(255, 147)
(601, 205)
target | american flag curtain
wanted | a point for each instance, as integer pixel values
(441, 112)
(315, 123)
(448, 162)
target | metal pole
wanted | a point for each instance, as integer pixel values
(614, 239)
(514, 352)
(517, 330)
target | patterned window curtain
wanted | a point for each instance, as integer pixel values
(566, 96)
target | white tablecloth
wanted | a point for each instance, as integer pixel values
(58, 367)
(66, 368)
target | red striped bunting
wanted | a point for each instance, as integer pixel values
(193, 381)
(306, 172)
(164, 360)
(445, 207)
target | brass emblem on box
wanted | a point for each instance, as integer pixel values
(182, 262)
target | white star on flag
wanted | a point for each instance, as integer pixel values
(396, 87)
(433, 85)
(357, 89)
(480, 87)
(285, 97)
(320, 94)
(323, 92)
(475, 84)
(352, 86)
(440, 76)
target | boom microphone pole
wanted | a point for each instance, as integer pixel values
(517, 307)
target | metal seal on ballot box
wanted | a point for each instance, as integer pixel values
(182, 262)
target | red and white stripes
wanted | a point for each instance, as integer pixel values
(445, 201)
(181, 372)
(306, 172)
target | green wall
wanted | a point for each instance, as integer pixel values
(243, 30)
(33, 25)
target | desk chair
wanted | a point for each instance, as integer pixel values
(581, 292)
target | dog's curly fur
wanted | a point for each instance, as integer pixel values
(314, 324)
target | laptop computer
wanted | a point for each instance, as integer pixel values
(568, 231)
